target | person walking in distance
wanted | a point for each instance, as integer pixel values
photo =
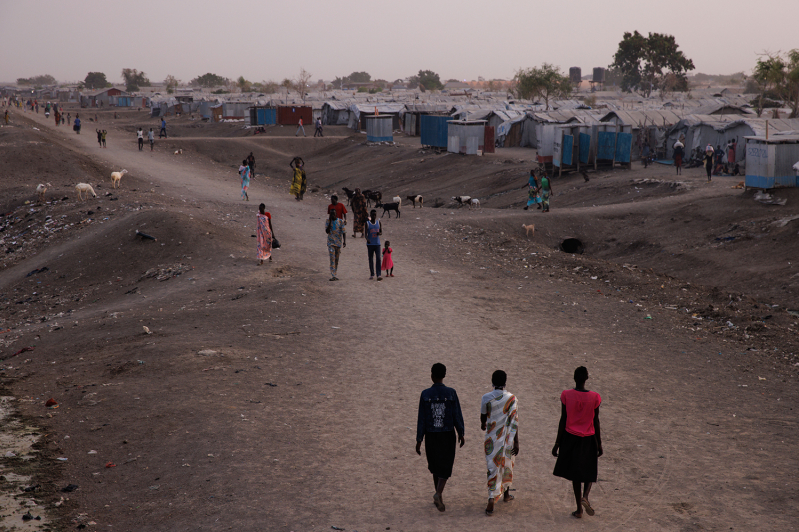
(140, 138)
(265, 234)
(244, 170)
(251, 164)
(318, 128)
(373, 232)
(151, 138)
(439, 419)
(336, 239)
(105, 134)
(299, 182)
(300, 128)
(163, 129)
(499, 420)
(579, 443)
(341, 210)
(679, 151)
(546, 192)
(709, 152)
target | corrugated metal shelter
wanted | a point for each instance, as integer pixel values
(769, 161)
(434, 130)
(290, 115)
(379, 128)
(336, 112)
(358, 110)
(466, 136)
(263, 116)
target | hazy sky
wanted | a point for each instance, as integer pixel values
(464, 39)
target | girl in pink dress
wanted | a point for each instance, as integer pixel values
(388, 263)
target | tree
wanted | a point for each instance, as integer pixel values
(288, 85)
(171, 83)
(208, 80)
(301, 82)
(359, 77)
(267, 87)
(779, 73)
(95, 80)
(646, 63)
(134, 79)
(243, 84)
(545, 82)
(37, 81)
(426, 80)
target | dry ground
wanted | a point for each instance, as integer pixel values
(300, 412)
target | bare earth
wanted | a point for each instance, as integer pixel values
(268, 398)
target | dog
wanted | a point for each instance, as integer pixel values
(529, 228)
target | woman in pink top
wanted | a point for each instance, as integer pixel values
(579, 441)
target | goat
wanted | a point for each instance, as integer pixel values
(179, 151)
(462, 200)
(372, 195)
(397, 199)
(416, 198)
(529, 228)
(116, 177)
(388, 207)
(41, 189)
(474, 202)
(80, 188)
(349, 193)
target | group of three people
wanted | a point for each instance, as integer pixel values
(577, 447)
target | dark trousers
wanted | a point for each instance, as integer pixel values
(318, 132)
(374, 250)
(141, 144)
(162, 132)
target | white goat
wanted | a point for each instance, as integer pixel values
(41, 189)
(397, 200)
(116, 177)
(462, 200)
(474, 202)
(80, 188)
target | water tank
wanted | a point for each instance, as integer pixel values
(575, 74)
(599, 75)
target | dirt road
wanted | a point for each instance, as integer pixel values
(304, 415)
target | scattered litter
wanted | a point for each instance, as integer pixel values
(206, 352)
(785, 221)
(70, 488)
(433, 271)
(92, 452)
(110, 464)
(164, 273)
(761, 378)
(51, 403)
(9, 454)
(62, 459)
(45, 268)
(336, 327)
(337, 528)
(145, 236)
(648, 317)
(146, 329)
(766, 199)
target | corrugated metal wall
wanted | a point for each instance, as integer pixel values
(770, 165)
(434, 130)
(379, 128)
(290, 115)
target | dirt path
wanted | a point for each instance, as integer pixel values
(692, 442)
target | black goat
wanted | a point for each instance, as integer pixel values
(388, 207)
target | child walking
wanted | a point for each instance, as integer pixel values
(388, 263)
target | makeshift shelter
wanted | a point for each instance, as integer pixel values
(336, 112)
(466, 136)
(358, 110)
(770, 160)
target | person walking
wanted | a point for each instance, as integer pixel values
(438, 420)
(300, 128)
(251, 164)
(6, 116)
(679, 151)
(265, 234)
(373, 232)
(244, 171)
(499, 420)
(645, 154)
(359, 213)
(104, 135)
(546, 192)
(299, 182)
(533, 191)
(388, 262)
(341, 210)
(709, 161)
(579, 443)
(151, 138)
(336, 239)
(318, 128)
(163, 129)
(99, 137)
(76, 127)
(140, 138)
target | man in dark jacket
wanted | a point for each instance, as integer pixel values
(439, 418)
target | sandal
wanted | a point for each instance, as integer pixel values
(587, 506)
(577, 514)
(508, 498)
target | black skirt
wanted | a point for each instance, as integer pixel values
(577, 458)
(439, 447)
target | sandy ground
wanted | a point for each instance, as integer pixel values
(268, 398)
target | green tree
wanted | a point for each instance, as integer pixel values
(134, 79)
(651, 63)
(426, 80)
(243, 84)
(208, 80)
(546, 82)
(171, 83)
(359, 77)
(37, 81)
(95, 80)
(779, 73)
